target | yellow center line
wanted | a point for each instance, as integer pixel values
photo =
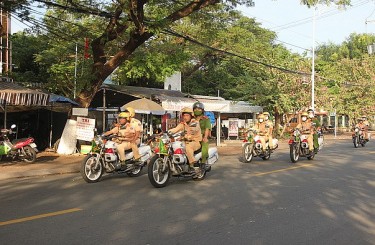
(284, 169)
(13, 221)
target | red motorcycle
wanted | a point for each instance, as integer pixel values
(23, 149)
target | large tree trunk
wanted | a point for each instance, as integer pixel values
(102, 67)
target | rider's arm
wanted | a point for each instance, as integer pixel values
(180, 127)
(112, 131)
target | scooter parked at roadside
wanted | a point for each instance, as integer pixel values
(22, 149)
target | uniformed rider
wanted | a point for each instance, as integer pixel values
(192, 134)
(316, 126)
(269, 125)
(205, 124)
(126, 136)
(363, 127)
(306, 128)
(262, 131)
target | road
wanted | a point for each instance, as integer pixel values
(330, 200)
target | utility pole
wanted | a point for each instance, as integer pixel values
(313, 65)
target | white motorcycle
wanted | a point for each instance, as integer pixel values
(299, 146)
(104, 157)
(252, 147)
(170, 160)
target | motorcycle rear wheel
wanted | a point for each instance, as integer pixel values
(91, 170)
(137, 171)
(201, 175)
(158, 172)
(267, 154)
(30, 154)
(294, 153)
(311, 157)
(247, 152)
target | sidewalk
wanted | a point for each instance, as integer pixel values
(49, 163)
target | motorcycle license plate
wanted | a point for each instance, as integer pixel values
(33, 145)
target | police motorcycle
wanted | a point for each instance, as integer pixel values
(299, 146)
(252, 147)
(358, 137)
(170, 160)
(23, 149)
(104, 158)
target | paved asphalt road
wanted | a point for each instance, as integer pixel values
(330, 200)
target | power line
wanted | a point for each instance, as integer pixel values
(173, 33)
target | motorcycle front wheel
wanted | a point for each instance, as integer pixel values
(30, 154)
(158, 171)
(356, 142)
(294, 153)
(91, 169)
(247, 152)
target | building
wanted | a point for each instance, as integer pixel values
(5, 43)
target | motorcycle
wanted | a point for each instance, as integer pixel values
(252, 147)
(358, 137)
(299, 146)
(104, 157)
(170, 160)
(23, 149)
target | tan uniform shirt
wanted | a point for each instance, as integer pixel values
(261, 128)
(306, 127)
(124, 131)
(192, 130)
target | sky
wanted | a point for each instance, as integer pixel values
(293, 22)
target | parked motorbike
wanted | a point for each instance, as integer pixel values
(299, 146)
(252, 147)
(170, 160)
(22, 149)
(358, 137)
(104, 157)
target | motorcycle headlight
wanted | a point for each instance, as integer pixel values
(356, 129)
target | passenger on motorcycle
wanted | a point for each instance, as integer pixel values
(127, 136)
(316, 126)
(205, 125)
(193, 135)
(261, 130)
(362, 126)
(367, 124)
(269, 125)
(306, 127)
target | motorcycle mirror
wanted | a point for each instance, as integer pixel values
(13, 126)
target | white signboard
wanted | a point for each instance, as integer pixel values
(85, 128)
(80, 112)
(233, 127)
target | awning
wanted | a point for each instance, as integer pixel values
(14, 94)
(243, 107)
(170, 103)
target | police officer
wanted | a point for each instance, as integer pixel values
(193, 135)
(261, 130)
(205, 125)
(126, 135)
(137, 125)
(362, 126)
(315, 124)
(306, 128)
(269, 126)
